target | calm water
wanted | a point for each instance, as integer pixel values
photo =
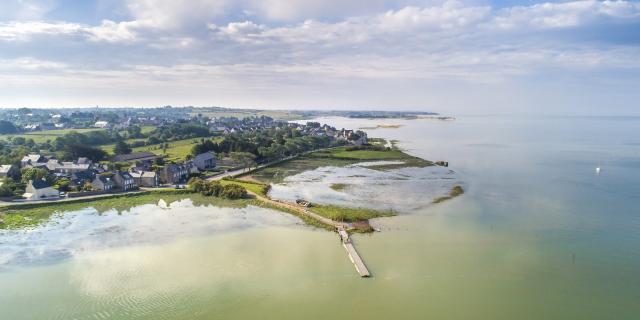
(538, 235)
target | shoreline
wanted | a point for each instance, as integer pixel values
(20, 215)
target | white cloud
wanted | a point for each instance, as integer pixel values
(168, 14)
(198, 44)
(30, 64)
(564, 14)
(291, 10)
(23, 31)
(111, 31)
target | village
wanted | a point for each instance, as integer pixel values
(57, 167)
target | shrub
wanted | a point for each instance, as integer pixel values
(212, 188)
(233, 191)
(266, 189)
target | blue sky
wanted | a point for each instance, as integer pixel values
(568, 57)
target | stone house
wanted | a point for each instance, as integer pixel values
(124, 181)
(40, 190)
(103, 183)
(205, 161)
(148, 179)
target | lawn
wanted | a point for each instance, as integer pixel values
(257, 188)
(43, 136)
(177, 150)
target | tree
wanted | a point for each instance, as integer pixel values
(20, 141)
(7, 127)
(196, 184)
(233, 191)
(6, 190)
(245, 158)
(63, 184)
(29, 174)
(122, 147)
(76, 151)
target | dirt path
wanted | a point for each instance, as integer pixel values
(301, 210)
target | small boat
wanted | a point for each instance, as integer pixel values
(598, 170)
(303, 203)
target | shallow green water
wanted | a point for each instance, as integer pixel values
(538, 235)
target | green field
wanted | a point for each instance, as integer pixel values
(177, 150)
(337, 157)
(368, 154)
(43, 136)
(256, 188)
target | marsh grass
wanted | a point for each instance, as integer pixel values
(338, 186)
(347, 214)
(455, 191)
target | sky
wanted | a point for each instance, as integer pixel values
(473, 57)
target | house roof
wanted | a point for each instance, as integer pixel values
(125, 175)
(87, 174)
(205, 156)
(5, 168)
(54, 164)
(32, 158)
(143, 174)
(40, 184)
(134, 156)
(105, 180)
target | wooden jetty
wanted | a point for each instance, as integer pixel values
(353, 253)
(341, 227)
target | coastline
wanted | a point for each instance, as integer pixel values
(256, 181)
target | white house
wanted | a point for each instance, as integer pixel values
(101, 124)
(40, 190)
(205, 161)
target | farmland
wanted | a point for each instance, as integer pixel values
(44, 136)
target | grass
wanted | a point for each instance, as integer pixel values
(177, 150)
(347, 214)
(255, 187)
(308, 220)
(337, 157)
(369, 154)
(277, 173)
(338, 186)
(43, 136)
(455, 191)
(27, 215)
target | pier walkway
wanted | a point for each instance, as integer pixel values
(361, 268)
(341, 227)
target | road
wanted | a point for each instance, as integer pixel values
(302, 211)
(238, 172)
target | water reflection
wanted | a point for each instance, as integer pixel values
(73, 233)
